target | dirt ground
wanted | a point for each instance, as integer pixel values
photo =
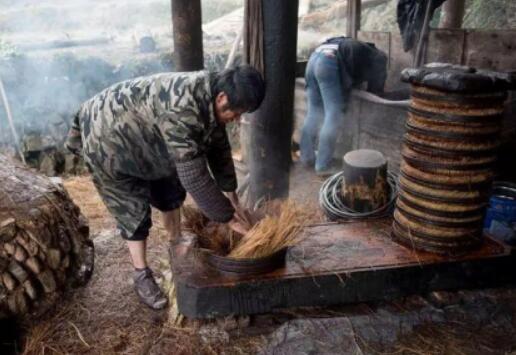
(105, 317)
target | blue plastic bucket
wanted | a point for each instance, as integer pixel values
(500, 220)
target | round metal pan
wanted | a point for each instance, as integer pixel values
(413, 241)
(244, 267)
(457, 127)
(466, 200)
(492, 119)
(414, 137)
(448, 153)
(440, 213)
(486, 174)
(487, 100)
(470, 137)
(437, 233)
(455, 159)
(463, 239)
(435, 165)
(457, 224)
(452, 187)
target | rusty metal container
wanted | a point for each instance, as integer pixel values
(449, 148)
(246, 267)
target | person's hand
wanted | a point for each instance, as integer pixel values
(241, 212)
(233, 197)
(237, 225)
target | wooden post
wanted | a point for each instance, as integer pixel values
(271, 126)
(353, 18)
(452, 14)
(186, 23)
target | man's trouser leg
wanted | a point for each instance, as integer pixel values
(172, 222)
(314, 114)
(168, 195)
(328, 78)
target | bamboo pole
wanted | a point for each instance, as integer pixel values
(234, 49)
(10, 120)
(419, 56)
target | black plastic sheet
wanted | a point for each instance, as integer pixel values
(411, 15)
(457, 78)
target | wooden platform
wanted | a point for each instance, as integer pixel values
(336, 264)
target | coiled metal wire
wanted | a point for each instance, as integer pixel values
(332, 204)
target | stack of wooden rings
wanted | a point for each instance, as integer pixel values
(450, 146)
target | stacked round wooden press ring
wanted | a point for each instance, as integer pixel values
(446, 171)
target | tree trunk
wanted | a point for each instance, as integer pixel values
(44, 242)
(452, 14)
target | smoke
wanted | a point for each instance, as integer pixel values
(55, 54)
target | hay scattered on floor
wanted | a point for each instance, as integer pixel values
(85, 195)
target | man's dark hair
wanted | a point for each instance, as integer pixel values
(243, 85)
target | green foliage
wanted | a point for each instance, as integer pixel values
(482, 14)
(380, 18)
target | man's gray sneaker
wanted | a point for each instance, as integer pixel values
(147, 289)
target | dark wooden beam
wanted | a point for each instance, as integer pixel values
(336, 264)
(186, 23)
(301, 68)
(271, 126)
(353, 17)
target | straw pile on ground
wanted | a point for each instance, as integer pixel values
(273, 227)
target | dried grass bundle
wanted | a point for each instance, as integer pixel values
(276, 225)
(272, 233)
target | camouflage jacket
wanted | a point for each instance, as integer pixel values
(147, 126)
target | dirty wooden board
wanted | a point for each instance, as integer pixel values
(492, 50)
(336, 264)
(445, 46)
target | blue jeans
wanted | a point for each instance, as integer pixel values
(325, 100)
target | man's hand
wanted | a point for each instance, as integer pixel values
(242, 221)
(237, 226)
(241, 213)
(233, 197)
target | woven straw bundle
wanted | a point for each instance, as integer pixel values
(448, 153)
(278, 226)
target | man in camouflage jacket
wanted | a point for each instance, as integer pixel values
(147, 140)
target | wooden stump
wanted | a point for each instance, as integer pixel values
(44, 242)
(364, 187)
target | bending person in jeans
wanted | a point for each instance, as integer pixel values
(334, 68)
